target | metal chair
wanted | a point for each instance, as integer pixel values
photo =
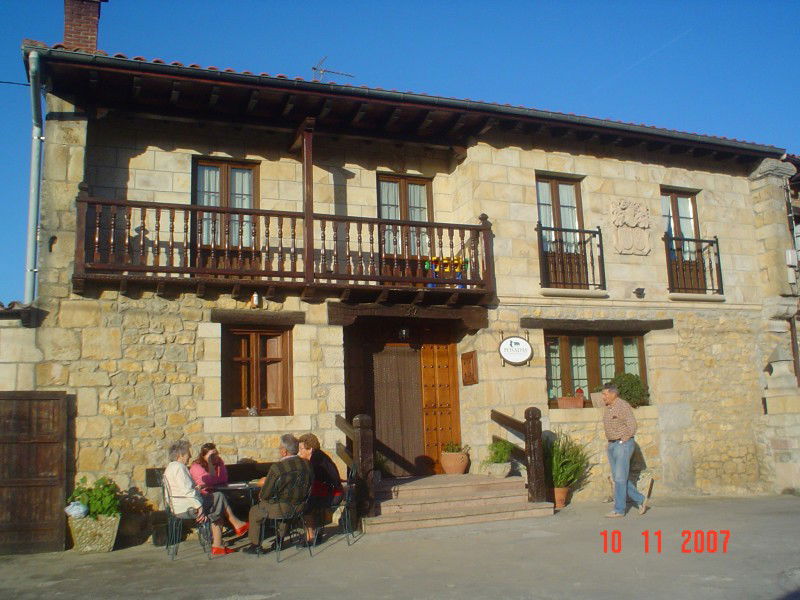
(290, 496)
(175, 526)
(349, 507)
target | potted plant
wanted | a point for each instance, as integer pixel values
(97, 531)
(498, 463)
(454, 458)
(566, 462)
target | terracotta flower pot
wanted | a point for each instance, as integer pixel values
(454, 463)
(560, 496)
(570, 402)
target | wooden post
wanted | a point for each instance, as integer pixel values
(535, 455)
(307, 134)
(364, 460)
(488, 256)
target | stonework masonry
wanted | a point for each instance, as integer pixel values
(145, 370)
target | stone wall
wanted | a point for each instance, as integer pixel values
(145, 369)
(18, 356)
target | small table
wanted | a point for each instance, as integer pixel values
(239, 490)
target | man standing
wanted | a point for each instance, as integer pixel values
(278, 497)
(620, 426)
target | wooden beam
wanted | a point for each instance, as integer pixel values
(488, 123)
(345, 295)
(418, 297)
(723, 155)
(137, 87)
(456, 123)
(422, 122)
(214, 98)
(452, 300)
(472, 317)
(653, 146)
(358, 113)
(558, 132)
(701, 152)
(175, 94)
(93, 80)
(325, 109)
(308, 201)
(160, 288)
(584, 136)
(270, 293)
(391, 119)
(253, 101)
(297, 142)
(201, 290)
(598, 325)
(236, 292)
(459, 152)
(288, 105)
(257, 317)
(678, 149)
(382, 297)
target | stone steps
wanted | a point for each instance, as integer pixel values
(441, 500)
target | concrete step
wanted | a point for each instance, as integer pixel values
(442, 518)
(430, 503)
(443, 486)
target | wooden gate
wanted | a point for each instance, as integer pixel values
(33, 450)
(440, 410)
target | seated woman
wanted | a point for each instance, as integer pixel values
(326, 489)
(185, 499)
(208, 469)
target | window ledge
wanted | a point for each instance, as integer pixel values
(572, 293)
(696, 297)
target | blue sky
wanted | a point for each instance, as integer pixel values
(718, 68)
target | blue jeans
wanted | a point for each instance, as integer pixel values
(619, 457)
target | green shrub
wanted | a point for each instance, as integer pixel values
(455, 447)
(632, 389)
(566, 462)
(499, 452)
(102, 498)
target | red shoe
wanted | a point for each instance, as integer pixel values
(217, 551)
(242, 530)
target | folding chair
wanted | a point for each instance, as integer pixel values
(290, 496)
(175, 526)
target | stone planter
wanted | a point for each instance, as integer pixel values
(94, 535)
(454, 463)
(499, 470)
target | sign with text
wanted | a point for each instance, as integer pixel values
(515, 350)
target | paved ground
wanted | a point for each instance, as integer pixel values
(554, 557)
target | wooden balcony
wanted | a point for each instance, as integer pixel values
(571, 258)
(242, 251)
(693, 265)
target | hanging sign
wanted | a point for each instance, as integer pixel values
(515, 350)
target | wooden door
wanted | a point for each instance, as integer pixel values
(398, 419)
(33, 445)
(440, 411)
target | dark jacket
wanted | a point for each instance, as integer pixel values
(289, 495)
(326, 475)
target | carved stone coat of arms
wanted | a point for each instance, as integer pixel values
(631, 227)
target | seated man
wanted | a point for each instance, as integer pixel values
(287, 498)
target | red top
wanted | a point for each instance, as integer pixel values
(205, 480)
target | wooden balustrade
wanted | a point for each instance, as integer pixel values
(171, 242)
(531, 430)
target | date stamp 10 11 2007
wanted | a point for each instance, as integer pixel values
(697, 541)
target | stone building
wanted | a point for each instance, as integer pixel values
(228, 256)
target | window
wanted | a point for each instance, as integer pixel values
(690, 260)
(226, 184)
(559, 204)
(256, 371)
(588, 361)
(405, 199)
(679, 214)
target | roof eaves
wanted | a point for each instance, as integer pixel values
(282, 81)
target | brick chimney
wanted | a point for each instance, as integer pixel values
(81, 18)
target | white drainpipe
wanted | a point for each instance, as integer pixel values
(36, 175)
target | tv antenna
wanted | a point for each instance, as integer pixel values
(319, 71)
